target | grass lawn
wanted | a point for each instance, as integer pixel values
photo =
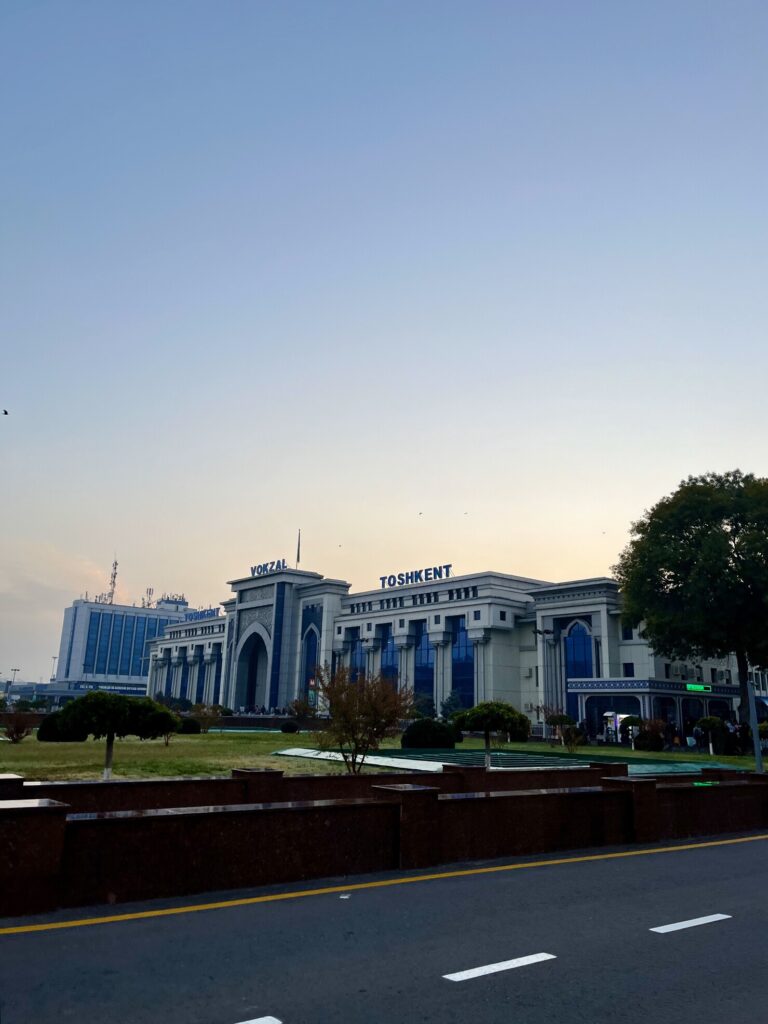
(218, 753)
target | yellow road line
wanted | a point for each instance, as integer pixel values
(358, 886)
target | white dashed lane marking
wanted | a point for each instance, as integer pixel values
(694, 922)
(504, 965)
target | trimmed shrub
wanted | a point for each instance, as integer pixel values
(53, 729)
(289, 726)
(649, 741)
(189, 727)
(428, 734)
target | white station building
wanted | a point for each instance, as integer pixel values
(539, 645)
(105, 646)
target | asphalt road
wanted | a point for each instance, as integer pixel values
(551, 944)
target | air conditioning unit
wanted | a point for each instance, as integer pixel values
(527, 707)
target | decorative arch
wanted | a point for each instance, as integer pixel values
(579, 653)
(253, 659)
(310, 657)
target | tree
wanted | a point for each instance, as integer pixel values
(207, 715)
(19, 724)
(302, 709)
(423, 706)
(108, 715)
(451, 705)
(559, 723)
(695, 573)
(493, 716)
(362, 712)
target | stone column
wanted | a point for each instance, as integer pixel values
(479, 645)
(176, 674)
(192, 674)
(209, 667)
(405, 664)
(443, 672)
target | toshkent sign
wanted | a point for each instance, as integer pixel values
(267, 567)
(402, 579)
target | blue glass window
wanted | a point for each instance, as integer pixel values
(140, 657)
(114, 647)
(201, 667)
(309, 662)
(424, 667)
(388, 654)
(578, 653)
(103, 648)
(184, 674)
(125, 657)
(90, 643)
(463, 661)
(217, 683)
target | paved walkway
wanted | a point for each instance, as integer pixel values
(433, 760)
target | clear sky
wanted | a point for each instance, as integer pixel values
(435, 281)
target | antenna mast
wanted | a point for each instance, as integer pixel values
(112, 583)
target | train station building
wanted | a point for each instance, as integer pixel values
(540, 645)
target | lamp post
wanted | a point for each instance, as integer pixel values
(54, 659)
(754, 727)
(14, 670)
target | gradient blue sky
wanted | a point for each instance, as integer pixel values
(332, 265)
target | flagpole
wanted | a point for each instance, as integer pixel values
(298, 550)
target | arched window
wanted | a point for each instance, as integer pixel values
(309, 660)
(578, 652)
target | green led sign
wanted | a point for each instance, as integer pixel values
(699, 687)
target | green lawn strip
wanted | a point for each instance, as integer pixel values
(211, 754)
(219, 753)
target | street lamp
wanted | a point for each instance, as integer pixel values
(14, 670)
(54, 659)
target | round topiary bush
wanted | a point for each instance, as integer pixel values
(53, 729)
(649, 741)
(289, 726)
(189, 727)
(427, 734)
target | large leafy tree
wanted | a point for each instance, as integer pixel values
(695, 572)
(107, 715)
(493, 716)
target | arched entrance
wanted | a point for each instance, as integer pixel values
(595, 709)
(251, 684)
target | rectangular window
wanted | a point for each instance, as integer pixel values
(125, 657)
(368, 627)
(628, 669)
(503, 616)
(114, 647)
(713, 675)
(338, 631)
(476, 615)
(139, 657)
(90, 645)
(437, 620)
(626, 632)
(401, 623)
(667, 670)
(101, 655)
